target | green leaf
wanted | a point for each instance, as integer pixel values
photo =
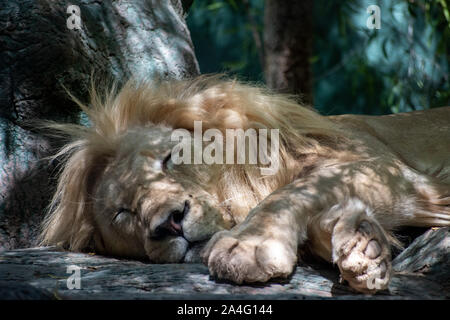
(215, 6)
(234, 65)
(443, 3)
(313, 59)
(419, 83)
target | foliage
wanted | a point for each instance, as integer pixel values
(222, 32)
(401, 67)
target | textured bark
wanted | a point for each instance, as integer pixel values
(422, 272)
(288, 47)
(39, 55)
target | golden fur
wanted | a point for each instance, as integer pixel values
(340, 167)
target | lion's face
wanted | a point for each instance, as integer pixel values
(145, 206)
(120, 194)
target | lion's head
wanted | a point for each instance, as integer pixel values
(119, 193)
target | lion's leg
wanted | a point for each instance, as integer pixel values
(265, 245)
(350, 236)
(262, 247)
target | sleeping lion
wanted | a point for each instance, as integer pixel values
(342, 184)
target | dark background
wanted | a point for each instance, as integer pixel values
(401, 67)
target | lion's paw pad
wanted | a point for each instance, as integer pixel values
(363, 257)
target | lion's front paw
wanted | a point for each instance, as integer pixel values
(363, 255)
(248, 259)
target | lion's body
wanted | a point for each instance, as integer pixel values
(344, 183)
(419, 138)
(419, 145)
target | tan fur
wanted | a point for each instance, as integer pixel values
(332, 168)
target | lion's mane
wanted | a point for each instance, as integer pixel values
(218, 103)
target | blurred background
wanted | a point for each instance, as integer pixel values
(324, 51)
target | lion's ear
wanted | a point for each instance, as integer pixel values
(69, 222)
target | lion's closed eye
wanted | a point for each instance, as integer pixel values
(121, 214)
(167, 163)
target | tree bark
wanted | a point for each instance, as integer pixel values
(288, 47)
(39, 54)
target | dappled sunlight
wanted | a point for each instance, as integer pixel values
(340, 181)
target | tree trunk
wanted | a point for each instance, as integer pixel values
(42, 50)
(288, 47)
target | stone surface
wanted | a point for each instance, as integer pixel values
(40, 55)
(41, 273)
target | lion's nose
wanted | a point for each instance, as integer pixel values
(172, 226)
